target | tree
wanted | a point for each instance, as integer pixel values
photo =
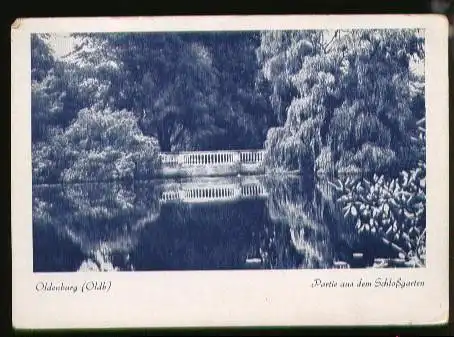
(350, 105)
(244, 112)
(46, 91)
(190, 91)
(106, 145)
(168, 84)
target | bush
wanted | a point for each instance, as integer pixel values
(394, 210)
(99, 146)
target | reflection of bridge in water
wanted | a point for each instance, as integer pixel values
(212, 163)
(204, 190)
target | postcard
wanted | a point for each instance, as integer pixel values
(250, 170)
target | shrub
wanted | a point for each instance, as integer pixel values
(394, 210)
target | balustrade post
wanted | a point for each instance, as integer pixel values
(236, 157)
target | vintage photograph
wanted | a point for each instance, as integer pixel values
(230, 171)
(218, 150)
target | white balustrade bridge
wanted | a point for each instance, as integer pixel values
(212, 163)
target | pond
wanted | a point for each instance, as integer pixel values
(243, 222)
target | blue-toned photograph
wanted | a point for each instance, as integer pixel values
(228, 150)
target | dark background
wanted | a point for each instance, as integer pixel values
(126, 8)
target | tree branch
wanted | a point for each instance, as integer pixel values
(325, 47)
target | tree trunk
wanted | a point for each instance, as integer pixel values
(164, 141)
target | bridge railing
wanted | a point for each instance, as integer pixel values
(212, 158)
(251, 157)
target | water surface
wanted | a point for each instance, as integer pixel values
(251, 222)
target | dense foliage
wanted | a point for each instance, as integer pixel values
(392, 209)
(320, 101)
(347, 101)
(172, 91)
(190, 91)
(74, 137)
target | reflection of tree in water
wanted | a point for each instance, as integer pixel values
(107, 227)
(292, 202)
(317, 229)
(104, 220)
